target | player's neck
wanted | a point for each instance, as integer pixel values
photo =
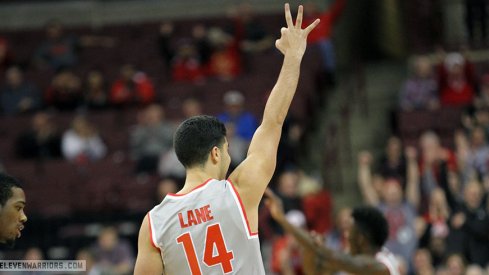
(195, 177)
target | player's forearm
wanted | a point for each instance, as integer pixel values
(364, 265)
(303, 237)
(283, 92)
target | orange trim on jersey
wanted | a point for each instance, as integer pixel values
(242, 209)
(195, 188)
(151, 233)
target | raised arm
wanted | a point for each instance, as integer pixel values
(412, 177)
(251, 177)
(365, 179)
(149, 259)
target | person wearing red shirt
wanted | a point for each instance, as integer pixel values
(321, 35)
(132, 87)
(455, 81)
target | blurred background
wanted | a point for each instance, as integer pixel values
(392, 110)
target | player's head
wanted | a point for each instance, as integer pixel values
(200, 141)
(12, 202)
(369, 231)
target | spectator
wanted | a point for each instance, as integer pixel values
(290, 142)
(18, 96)
(33, 254)
(251, 33)
(422, 263)
(96, 96)
(113, 255)
(456, 264)
(286, 252)
(186, 65)
(244, 121)
(337, 238)
(456, 86)
(316, 203)
(400, 213)
(469, 226)
(479, 153)
(65, 92)
(322, 34)
(132, 88)
(434, 227)
(191, 106)
(82, 143)
(91, 267)
(419, 92)
(238, 147)
(482, 101)
(166, 186)
(6, 56)
(170, 166)
(393, 162)
(201, 41)
(164, 43)
(474, 270)
(41, 141)
(60, 51)
(436, 164)
(225, 61)
(288, 190)
(150, 139)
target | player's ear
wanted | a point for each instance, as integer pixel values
(215, 154)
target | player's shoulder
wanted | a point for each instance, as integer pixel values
(387, 258)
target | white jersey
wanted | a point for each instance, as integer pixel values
(389, 260)
(205, 231)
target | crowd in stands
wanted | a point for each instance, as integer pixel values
(434, 189)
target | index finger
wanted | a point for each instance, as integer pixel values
(312, 26)
(288, 16)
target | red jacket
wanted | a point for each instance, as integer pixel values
(328, 18)
(138, 90)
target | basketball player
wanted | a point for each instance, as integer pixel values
(366, 238)
(12, 216)
(209, 227)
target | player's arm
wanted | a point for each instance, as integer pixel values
(148, 260)
(253, 174)
(333, 260)
(361, 265)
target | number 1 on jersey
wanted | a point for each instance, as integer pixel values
(213, 238)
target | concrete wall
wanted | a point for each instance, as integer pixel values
(97, 13)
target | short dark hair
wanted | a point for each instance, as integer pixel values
(196, 137)
(6, 184)
(371, 223)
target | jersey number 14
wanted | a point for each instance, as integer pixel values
(213, 238)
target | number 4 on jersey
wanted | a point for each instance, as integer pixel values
(213, 238)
